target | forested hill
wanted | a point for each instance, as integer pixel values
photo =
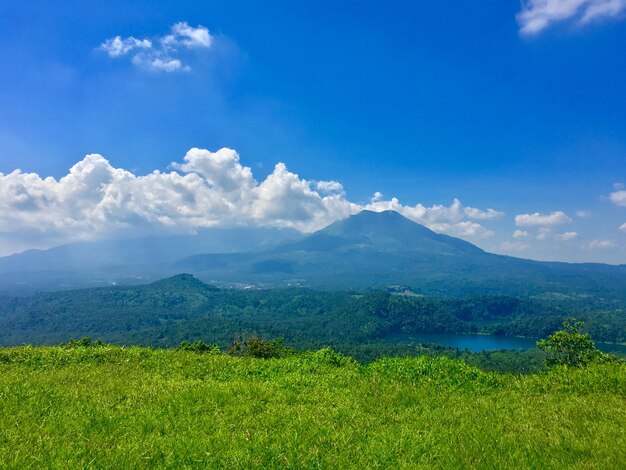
(181, 308)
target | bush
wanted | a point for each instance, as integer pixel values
(85, 342)
(256, 346)
(332, 357)
(571, 347)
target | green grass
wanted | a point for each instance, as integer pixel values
(109, 407)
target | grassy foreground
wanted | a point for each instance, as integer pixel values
(110, 407)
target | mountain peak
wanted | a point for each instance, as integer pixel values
(389, 213)
(384, 231)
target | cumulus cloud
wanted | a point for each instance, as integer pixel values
(583, 214)
(440, 218)
(537, 15)
(157, 64)
(183, 34)
(329, 186)
(117, 47)
(378, 196)
(479, 214)
(618, 198)
(205, 189)
(520, 234)
(161, 53)
(546, 233)
(542, 220)
(600, 244)
(623, 227)
(566, 236)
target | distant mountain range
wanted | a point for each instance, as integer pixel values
(366, 250)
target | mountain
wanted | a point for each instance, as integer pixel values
(386, 231)
(366, 250)
(375, 249)
(128, 261)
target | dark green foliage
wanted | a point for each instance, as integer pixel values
(85, 342)
(199, 347)
(258, 347)
(331, 357)
(361, 324)
(571, 347)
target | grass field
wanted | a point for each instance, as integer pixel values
(110, 407)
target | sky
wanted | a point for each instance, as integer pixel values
(500, 122)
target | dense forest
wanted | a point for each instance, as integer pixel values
(359, 323)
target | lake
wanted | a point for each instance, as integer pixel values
(477, 343)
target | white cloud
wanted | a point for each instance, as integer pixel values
(537, 15)
(117, 47)
(440, 218)
(207, 189)
(542, 220)
(623, 227)
(583, 214)
(479, 214)
(546, 233)
(378, 196)
(513, 246)
(600, 244)
(329, 186)
(618, 198)
(183, 34)
(520, 234)
(160, 55)
(160, 65)
(566, 236)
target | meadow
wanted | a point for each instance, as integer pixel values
(113, 407)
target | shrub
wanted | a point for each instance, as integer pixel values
(85, 342)
(199, 347)
(332, 357)
(571, 347)
(256, 346)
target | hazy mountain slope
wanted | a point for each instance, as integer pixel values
(128, 261)
(366, 250)
(376, 249)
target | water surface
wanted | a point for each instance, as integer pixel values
(477, 343)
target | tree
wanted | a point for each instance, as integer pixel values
(570, 346)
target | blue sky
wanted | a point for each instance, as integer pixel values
(521, 109)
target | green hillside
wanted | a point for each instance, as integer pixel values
(182, 308)
(109, 407)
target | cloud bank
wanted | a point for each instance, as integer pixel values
(537, 15)
(161, 54)
(542, 220)
(207, 189)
